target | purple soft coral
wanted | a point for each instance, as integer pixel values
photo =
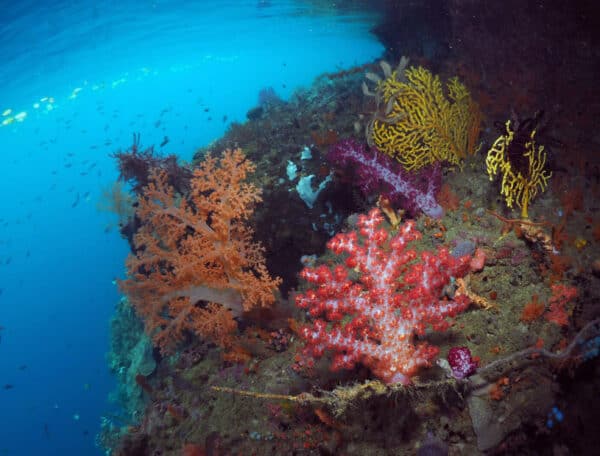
(462, 362)
(376, 172)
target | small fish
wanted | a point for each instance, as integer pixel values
(75, 92)
(76, 202)
(68, 165)
(8, 386)
(6, 112)
(22, 367)
(224, 119)
(165, 141)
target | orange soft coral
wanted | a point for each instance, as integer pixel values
(532, 310)
(196, 249)
(561, 296)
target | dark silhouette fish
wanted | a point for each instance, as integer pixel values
(165, 141)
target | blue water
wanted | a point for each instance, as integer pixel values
(87, 75)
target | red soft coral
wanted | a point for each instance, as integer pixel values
(370, 310)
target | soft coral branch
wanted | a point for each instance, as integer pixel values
(196, 249)
(136, 167)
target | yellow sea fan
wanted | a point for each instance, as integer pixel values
(523, 169)
(420, 124)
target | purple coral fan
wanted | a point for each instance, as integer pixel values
(462, 363)
(376, 172)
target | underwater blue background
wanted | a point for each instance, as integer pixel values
(88, 75)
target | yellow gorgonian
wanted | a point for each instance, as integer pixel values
(419, 122)
(522, 164)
